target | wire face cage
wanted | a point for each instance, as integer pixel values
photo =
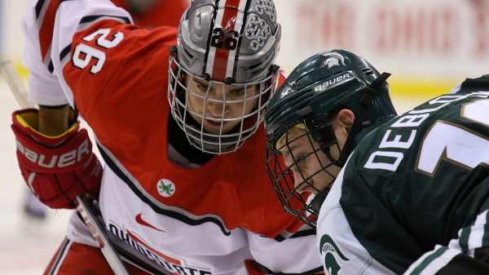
(301, 172)
(215, 116)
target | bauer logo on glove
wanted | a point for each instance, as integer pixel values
(56, 161)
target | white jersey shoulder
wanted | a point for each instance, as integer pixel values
(46, 38)
(341, 252)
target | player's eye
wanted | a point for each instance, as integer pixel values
(202, 87)
(300, 161)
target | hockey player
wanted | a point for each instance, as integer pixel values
(146, 13)
(184, 183)
(413, 194)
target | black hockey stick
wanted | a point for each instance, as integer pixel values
(112, 248)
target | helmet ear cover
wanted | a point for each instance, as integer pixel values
(378, 85)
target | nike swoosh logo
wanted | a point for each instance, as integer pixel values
(139, 219)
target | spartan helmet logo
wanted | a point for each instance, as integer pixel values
(333, 257)
(332, 59)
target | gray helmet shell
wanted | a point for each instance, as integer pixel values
(232, 41)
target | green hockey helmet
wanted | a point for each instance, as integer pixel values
(311, 97)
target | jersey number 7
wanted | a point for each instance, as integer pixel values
(451, 142)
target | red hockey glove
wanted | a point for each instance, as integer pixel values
(56, 168)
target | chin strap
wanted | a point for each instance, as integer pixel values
(317, 201)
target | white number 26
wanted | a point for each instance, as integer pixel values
(84, 54)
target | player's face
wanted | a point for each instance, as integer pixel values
(219, 107)
(313, 170)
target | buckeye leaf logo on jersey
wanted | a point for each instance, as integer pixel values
(166, 188)
(330, 251)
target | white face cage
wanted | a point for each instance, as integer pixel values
(214, 117)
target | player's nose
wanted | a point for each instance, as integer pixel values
(216, 107)
(216, 93)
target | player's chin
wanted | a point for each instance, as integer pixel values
(217, 127)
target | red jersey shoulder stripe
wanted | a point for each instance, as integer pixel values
(46, 15)
(220, 61)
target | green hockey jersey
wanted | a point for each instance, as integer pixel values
(414, 193)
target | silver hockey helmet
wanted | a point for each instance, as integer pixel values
(221, 74)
